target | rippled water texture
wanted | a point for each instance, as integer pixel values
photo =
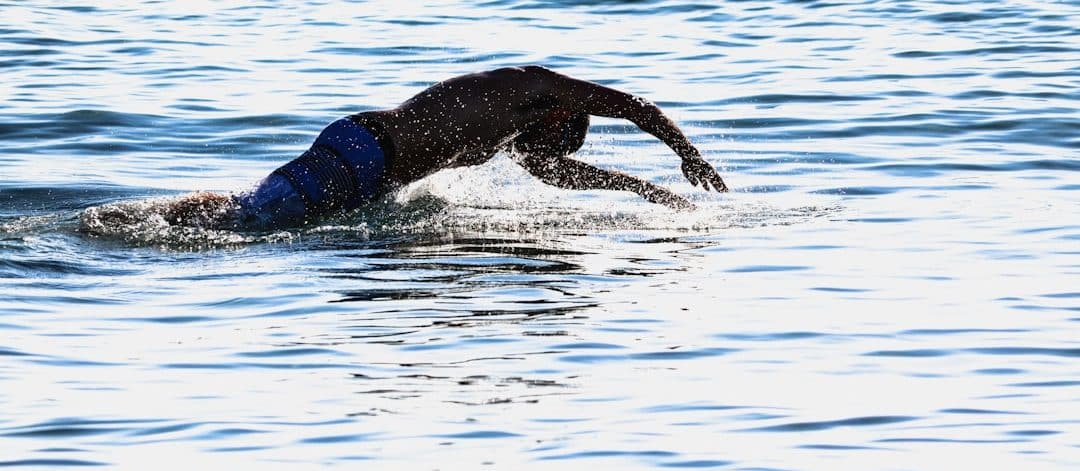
(892, 284)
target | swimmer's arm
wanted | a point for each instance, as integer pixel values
(598, 100)
(571, 174)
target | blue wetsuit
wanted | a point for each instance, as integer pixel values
(342, 170)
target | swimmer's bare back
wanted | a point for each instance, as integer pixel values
(539, 115)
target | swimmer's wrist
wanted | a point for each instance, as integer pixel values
(688, 152)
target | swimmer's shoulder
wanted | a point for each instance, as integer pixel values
(375, 118)
(530, 79)
(382, 125)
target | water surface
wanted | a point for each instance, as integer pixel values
(892, 284)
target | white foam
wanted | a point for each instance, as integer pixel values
(498, 197)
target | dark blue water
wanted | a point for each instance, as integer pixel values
(892, 284)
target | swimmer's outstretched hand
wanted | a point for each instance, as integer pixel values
(697, 170)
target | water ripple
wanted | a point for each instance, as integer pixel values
(50, 463)
(914, 353)
(829, 424)
(1018, 49)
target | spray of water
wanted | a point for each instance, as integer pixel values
(495, 199)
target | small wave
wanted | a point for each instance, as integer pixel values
(74, 123)
(23, 225)
(1020, 49)
(965, 17)
(110, 132)
(396, 51)
(829, 424)
(51, 463)
(1008, 351)
(786, 98)
(937, 168)
(143, 222)
(21, 200)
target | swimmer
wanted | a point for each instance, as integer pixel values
(539, 116)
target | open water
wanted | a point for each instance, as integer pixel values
(892, 284)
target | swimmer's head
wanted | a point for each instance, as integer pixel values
(561, 132)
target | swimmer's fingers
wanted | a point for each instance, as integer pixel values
(689, 173)
(697, 170)
(718, 184)
(683, 206)
(693, 181)
(676, 202)
(664, 196)
(705, 184)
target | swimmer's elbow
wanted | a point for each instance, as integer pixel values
(542, 74)
(537, 69)
(531, 72)
(641, 111)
